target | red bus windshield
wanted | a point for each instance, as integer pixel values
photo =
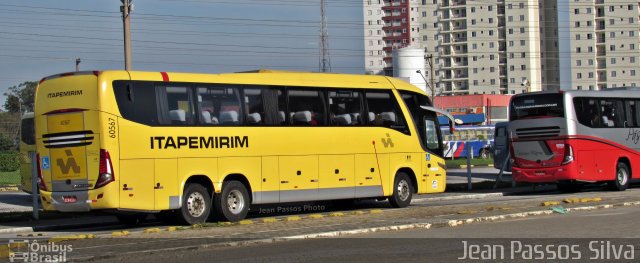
(536, 106)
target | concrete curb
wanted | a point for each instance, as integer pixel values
(458, 197)
(83, 225)
(9, 189)
(14, 230)
(464, 166)
(450, 223)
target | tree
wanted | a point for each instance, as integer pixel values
(6, 144)
(20, 97)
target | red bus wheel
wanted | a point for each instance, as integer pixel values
(623, 176)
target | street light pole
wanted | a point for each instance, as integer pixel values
(430, 87)
(126, 9)
(429, 59)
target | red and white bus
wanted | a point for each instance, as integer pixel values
(576, 137)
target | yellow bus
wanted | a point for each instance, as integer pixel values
(27, 147)
(192, 145)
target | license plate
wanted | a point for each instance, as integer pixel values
(69, 199)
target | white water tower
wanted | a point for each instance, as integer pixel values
(406, 63)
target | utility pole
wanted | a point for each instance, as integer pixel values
(126, 9)
(78, 64)
(432, 83)
(429, 59)
(325, 60)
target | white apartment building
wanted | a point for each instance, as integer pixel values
(509, 47)
(591, 45)
(389, 25)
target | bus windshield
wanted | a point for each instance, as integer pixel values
(536, 106)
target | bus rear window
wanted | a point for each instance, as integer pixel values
(536, 106)
(27, 132)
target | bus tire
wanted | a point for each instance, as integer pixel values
(196, 204)
(623, 177)
(131, 219)
(233, 202)
(484, 154)
(402, 191)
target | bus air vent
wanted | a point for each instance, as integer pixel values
(537, 132)
(68, 139)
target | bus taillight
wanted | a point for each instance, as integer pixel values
(106, 174)
(41, 183)
(568, 154)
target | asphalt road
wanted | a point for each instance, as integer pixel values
(591, 235)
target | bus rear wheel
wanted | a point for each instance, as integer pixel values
(621, 182)
(196, 204)
(402, 191)
(233, 202)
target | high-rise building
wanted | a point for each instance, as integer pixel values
(509, 46)
(590, 45)
(388, 26)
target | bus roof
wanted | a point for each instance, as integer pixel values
(624, 92)
(263, 77)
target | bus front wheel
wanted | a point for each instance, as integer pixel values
(233, 202)
(402, 191)
(622, 178)
(484, 154)
(196, 204)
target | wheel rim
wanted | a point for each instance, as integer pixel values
(403, 190)
(196, 204)
(622, 176)
(235, 202)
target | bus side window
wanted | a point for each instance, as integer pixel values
(174, 105)
(306, 107)
(631, 113)
(386, 111)
(219, 105)
(253, 106)
(588, 113)
(345, 108)
(637, 113)
(612, 113)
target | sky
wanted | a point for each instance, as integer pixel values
(39, 38)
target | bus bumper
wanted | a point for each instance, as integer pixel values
(81, 201)
(544, 175)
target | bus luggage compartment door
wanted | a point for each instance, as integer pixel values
(73, 152)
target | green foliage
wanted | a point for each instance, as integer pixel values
(25, 93)
(9, 161)
(455, 163)
(9, 178)
(6, 144)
